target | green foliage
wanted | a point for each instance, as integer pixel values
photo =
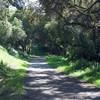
(12, 51)
(18, 31)
(16, 22)
(56, 61)
(82, 69)
(11, 58)
(85, 46)
(5, 30)
(11, 81)
(12, 74)
(51, 25)
(75, 28)
(3, 69)
(18, 34)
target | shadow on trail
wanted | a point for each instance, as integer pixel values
(44, 83)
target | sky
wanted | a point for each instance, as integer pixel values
(26, 3)
(33, 0)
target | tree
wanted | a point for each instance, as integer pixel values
(5, 30)
(78, 22)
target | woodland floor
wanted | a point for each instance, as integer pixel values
(44, 83)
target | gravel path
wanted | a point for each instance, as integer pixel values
(44, 83)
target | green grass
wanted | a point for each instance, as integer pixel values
(12, 74)
(11, 84)
(12, 61)
(82, 69)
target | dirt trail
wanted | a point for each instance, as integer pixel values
(44, 83)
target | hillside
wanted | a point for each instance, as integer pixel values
(12, 61)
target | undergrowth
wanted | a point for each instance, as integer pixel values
(81, 68)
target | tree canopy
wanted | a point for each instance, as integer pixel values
(57, 26)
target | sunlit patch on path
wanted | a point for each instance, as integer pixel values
(44, 83)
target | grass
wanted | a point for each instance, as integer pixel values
(12, 74)
(82, 69)
(12, 61)
(11, 84)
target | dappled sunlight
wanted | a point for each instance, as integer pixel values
(44, 83)
(12, 61)
(39, 63)
(49, 50)
(39, 69)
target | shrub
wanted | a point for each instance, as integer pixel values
(4, 70)
(5, 30)
(18, 33)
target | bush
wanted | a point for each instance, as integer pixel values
(80, 64)
(11, 82)
(12, 51)
(4, 70)
(18, 33)
(5, 30)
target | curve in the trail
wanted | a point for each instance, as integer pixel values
(44, 83)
